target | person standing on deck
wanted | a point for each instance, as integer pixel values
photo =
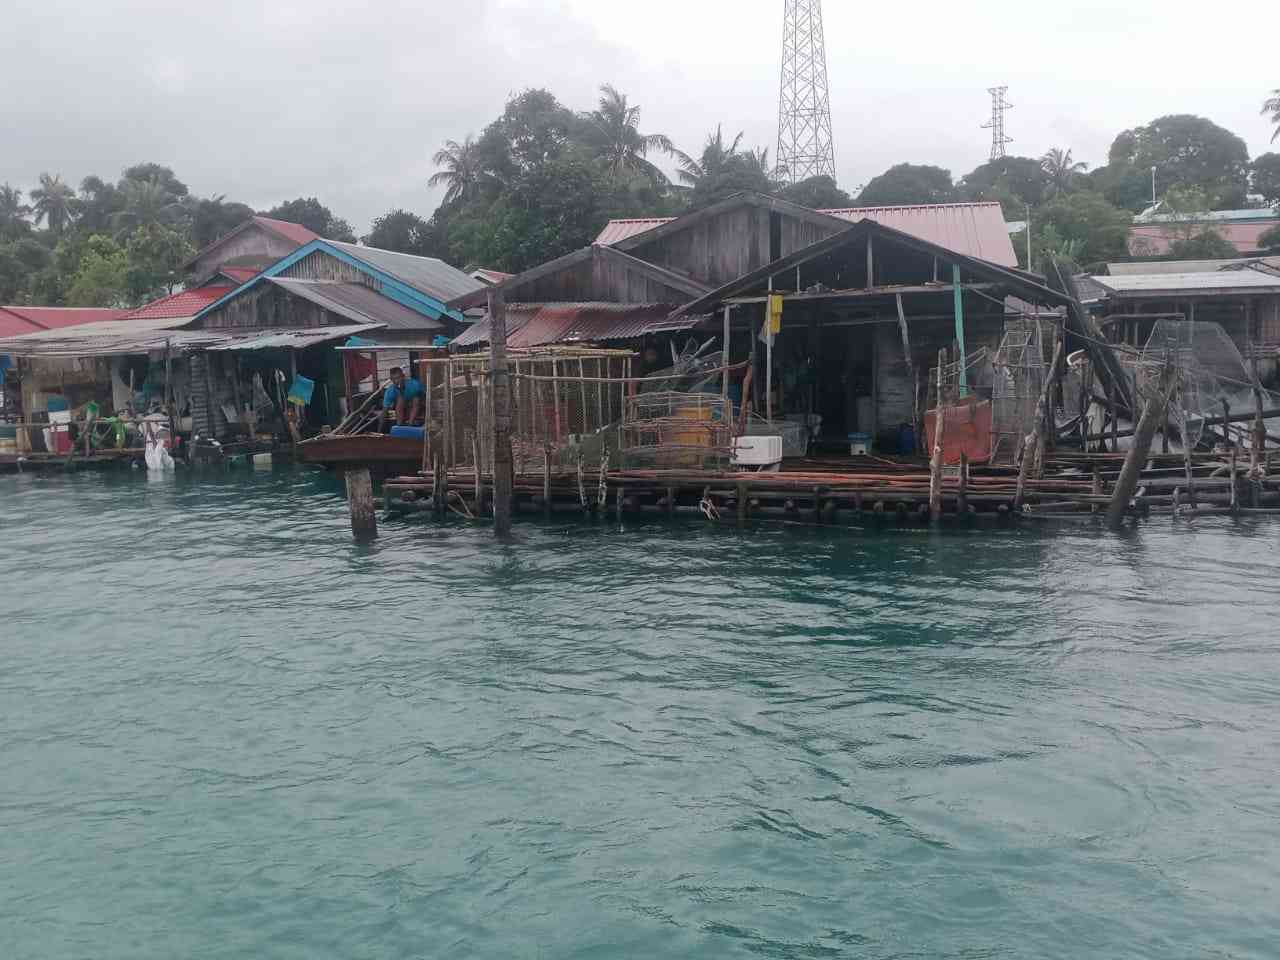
(403, 393)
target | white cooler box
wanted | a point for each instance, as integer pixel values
(757, 451)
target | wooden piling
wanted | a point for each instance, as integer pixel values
(935, 463)
(364, 517)
(500, 380)
(1137, 457)
(742, 504)
(962, 501)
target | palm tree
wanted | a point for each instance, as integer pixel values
(1272, 106)
(146, 202)
(12, 210)
(464, 169)
(54, 202)
(1061, 169)
(624, 148)
(758, 162)
(716, 160)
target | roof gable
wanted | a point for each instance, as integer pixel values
(393, 286)
(597, 274)
(294, 233)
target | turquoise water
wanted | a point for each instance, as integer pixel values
(227, 731)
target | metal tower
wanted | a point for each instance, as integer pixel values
(805, 144)
(996, 124)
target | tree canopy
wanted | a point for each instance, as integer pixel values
(908, 183)
(315, 216)
(1188, 151)
(1266, 178)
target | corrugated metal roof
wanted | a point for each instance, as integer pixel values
(973, 229)
(295, 339)
(616, 231)
(55, 318)
(239, 274)
(485, 275)
(1220, 281)
(535, 325)
(1248, 215)
(292, 231)
(12, 325)
(427, 274)
(357, 303)
(185, 304)
(1151, 268)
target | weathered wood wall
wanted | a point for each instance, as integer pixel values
(267, 306)
(251, 247)
(599, 279)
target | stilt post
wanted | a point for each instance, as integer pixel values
(1131, 473)
(500, 378)
(364, 517)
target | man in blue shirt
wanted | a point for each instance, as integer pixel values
(401, 394)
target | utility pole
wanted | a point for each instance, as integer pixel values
(996, 124)
(806, 147)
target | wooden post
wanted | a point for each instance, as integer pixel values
(871, 264)
(450, 442)
(500, 378)
(168, 393)
(364, 517)
(426, 419)
(600, 388)
(1131, 473)
(958, 307)
(555, 399)
(962, 500)
(742, 504)
(724, 378)
(935, 463)
(1033, 449)
(582, 387)
(1235, 483)
(546, 479)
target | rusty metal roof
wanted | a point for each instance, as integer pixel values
(535, 325)
(357, 303)
(973, 229)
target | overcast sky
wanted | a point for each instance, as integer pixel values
(266, 100)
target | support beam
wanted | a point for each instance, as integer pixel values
(364, 518)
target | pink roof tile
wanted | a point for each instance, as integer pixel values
(294, 231)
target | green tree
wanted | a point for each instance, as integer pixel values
(1093, 229)
(145, 203)
(1190, 152)
(53, 202)
(401, 231)
(1266, 178)
(155, 255)
(13, 213)
(1013, 182)
(908, 183)
(315, 216)
(463, 170)
(1207, 244)
(817, 193)
(158, 173)
(723, 169)
(614, 128)
(1270, 240)
(213, 217)
(21, 260)
(1061, 169)
(1271, 108)
(1123, 185)
(101, 279)
(99, 203)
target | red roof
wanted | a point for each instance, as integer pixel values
(12, 325)
(973, 229)
(185, 304)
(294, 231)
(55, 318)
(239, 274)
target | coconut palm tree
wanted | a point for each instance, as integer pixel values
(464, 169)
(616, 126)
(13, 212)
(146, 202)
(716, 160)
(54, 202)
(1272, 106)
(1061, 169)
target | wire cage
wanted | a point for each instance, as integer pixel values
(1018, 375)
(669, 429)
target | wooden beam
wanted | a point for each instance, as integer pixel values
(500, 379)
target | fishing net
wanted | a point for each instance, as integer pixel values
(1018, 374)
(1205, 368)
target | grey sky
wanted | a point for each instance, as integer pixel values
(266, 100)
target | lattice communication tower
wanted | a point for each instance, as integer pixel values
(806, 147)
(996, 124)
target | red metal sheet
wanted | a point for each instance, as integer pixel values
(185, 304)
(967, 429)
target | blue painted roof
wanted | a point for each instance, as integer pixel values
(422, 284)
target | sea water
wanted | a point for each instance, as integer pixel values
(228, 731)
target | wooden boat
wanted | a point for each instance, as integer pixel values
(379, 452)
